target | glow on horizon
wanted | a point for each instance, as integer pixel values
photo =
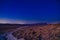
(13, 21)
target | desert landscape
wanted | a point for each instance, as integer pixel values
(33, 31)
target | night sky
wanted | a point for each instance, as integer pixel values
(29, 11)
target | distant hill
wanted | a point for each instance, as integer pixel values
(3, 25)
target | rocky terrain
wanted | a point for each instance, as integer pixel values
(39, 32)
(34, 32)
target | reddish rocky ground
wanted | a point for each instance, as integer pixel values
(35, 32)
(43, 32)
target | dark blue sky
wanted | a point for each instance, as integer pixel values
(30, 10)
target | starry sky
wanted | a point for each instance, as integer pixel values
(29, 11)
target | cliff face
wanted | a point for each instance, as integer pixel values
(44, 32)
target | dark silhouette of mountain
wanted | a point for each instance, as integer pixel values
(18, 25)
